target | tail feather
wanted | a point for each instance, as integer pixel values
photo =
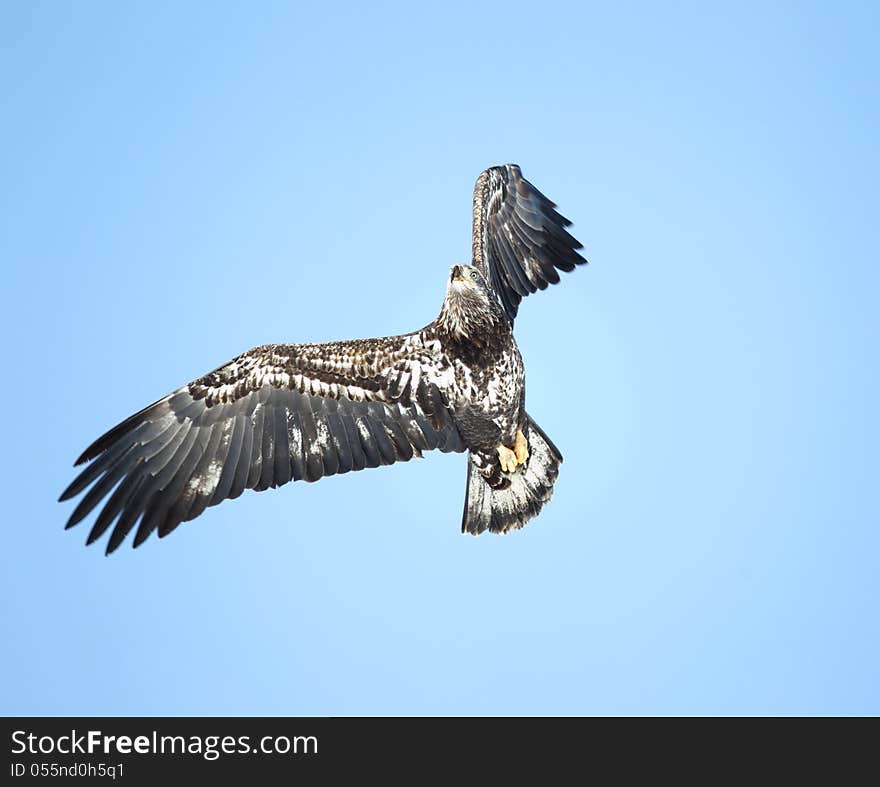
(503, 510)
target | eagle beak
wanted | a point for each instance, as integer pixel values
(457, 275)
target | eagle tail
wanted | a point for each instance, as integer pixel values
(502, 510)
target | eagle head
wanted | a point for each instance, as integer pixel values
(471, 311)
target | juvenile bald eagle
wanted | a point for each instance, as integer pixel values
(290, 412)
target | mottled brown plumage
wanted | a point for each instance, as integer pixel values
(287, 412)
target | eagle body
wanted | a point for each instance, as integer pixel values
(488, 381)
(299, 412)
(490, 403)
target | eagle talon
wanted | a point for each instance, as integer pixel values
(511, 458)
(521, 448)
(507, 459)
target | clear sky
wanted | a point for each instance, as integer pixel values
(182, 183)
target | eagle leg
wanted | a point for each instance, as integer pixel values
(512, 458)
(507, 459)
(521, 448)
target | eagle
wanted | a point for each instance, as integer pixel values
(300, 412)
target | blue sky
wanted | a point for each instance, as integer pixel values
(183, 183)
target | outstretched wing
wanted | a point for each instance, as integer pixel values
(519, 239)
(275, 414)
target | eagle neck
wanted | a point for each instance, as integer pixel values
(480, 338)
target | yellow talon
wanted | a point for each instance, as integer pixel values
(507, 458)
(512, 458)
(521, 448)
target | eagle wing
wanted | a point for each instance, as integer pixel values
(278, 413)
(519, 240)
